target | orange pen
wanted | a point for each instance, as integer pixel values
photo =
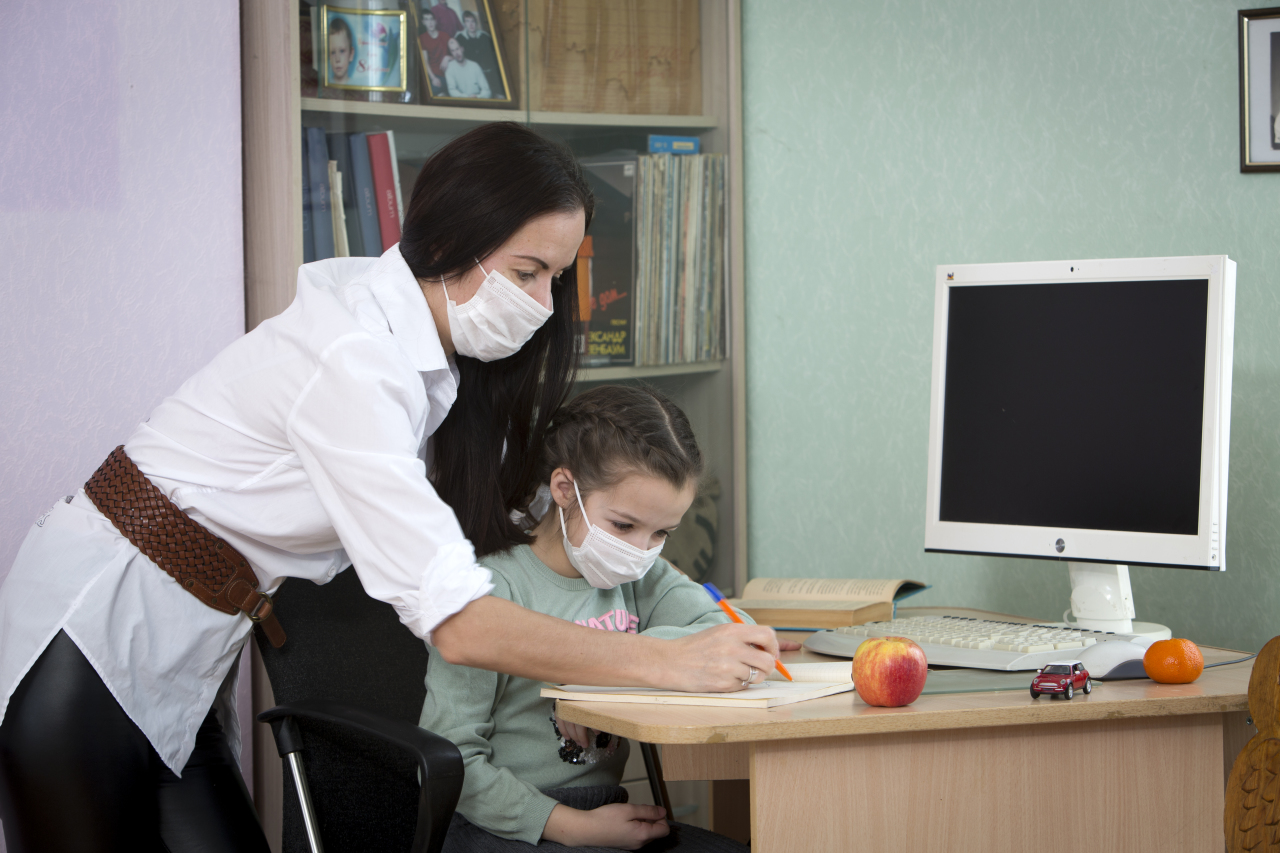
(718, 598)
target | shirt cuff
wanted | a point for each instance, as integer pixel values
(452, 580)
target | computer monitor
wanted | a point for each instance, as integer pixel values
(1081, 412)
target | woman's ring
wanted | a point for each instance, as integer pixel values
(751, 677)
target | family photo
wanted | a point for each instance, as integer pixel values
(461, 58)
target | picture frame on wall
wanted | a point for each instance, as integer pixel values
(1259, 90)
(363, 50)
(461, 55)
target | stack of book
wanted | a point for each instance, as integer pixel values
(680, 258)
(351, 200)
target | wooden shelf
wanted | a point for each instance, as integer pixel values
(712, 394)
(623, 120)
(409, 111)
(416, 115)
(613, 374)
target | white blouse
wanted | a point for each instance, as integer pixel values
(304, 445)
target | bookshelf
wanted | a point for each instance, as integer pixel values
(275, 112)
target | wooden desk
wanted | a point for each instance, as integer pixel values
(1134, 766)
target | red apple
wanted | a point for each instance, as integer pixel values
(889, 671)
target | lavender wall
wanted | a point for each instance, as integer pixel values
(120, 228)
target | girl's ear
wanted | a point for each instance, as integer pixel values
(562, 489)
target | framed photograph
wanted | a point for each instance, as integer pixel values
(363, 49)
(1260, 90)
(462, 61)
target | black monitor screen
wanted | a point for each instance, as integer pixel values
(1075, 405)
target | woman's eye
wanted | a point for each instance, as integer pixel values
(527, 276)
(623, 526)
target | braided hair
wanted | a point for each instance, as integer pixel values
(612, 431)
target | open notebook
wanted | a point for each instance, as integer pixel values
(812, 681)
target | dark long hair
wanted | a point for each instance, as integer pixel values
(470, 198)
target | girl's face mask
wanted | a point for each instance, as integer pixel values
(604, 559)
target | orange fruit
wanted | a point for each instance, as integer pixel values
(1173, 661)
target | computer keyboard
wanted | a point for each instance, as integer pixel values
(973, 643)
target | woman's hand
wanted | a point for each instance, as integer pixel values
(496, 634)
(617, 825)
(719, 659)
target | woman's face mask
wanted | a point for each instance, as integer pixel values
(602, 558)
(497, 321)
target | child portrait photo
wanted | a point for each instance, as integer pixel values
(363, 49)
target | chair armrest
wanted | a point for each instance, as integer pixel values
(439, 761)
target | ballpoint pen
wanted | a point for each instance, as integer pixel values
(718, 598)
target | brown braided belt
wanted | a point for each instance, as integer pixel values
(202, 563)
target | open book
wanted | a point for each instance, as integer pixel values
(822, 602)
(766, 694)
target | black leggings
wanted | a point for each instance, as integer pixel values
(76, 774)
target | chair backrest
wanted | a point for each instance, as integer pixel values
(346, 647)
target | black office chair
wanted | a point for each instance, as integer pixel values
(349, 690)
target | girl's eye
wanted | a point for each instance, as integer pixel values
(623, 526)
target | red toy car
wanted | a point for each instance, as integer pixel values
(1064, 677)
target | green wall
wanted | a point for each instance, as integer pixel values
(886, 137)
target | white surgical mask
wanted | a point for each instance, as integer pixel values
(603, 559)
(497, 321)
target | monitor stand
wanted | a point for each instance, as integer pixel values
(1102, 600)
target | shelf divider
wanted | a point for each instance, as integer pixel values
(613, 374)
(411, 112)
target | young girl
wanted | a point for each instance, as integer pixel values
(622, 467)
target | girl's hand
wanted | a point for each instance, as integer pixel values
(617, 825)
(789, 645)
(581, 735)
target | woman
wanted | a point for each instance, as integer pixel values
(304, 446)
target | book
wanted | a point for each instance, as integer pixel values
(609, 334)
(582, 274)
(384, 189)
(318, 177)
(826, 672)
(765, 694)
(395, 175)
(680, 259)
(340, 152)
(822, 602)
(366, 202)
(308, 238)
(662, 144)
(340, 247)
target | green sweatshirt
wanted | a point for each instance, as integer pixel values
(501, 724)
